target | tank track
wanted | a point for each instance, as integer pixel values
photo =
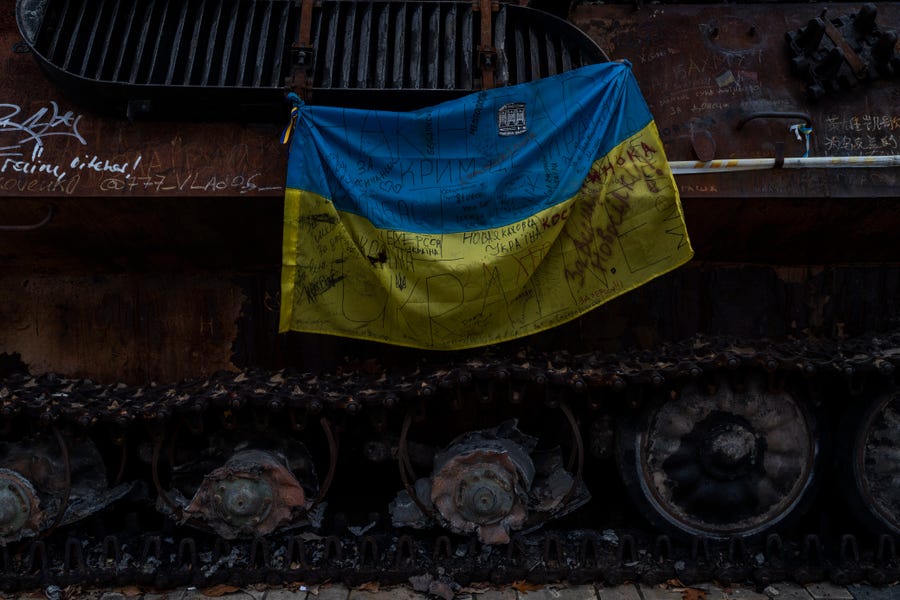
(165, 560)
(51, 399)
(162, 561)
(172, 555)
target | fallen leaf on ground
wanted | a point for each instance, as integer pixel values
(693, 594)
(219, 590)
(369, 586)
(524, 586)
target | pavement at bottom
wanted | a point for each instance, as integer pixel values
(785, 591)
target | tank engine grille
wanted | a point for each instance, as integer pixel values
(147, 42)
(431, 45)
(234, 58)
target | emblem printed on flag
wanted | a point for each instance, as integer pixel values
(435, 229)
(511, 119)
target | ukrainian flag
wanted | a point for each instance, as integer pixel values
(479, 220)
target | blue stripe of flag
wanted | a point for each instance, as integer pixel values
(446, 169)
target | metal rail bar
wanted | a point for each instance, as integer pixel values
(176, 45)
(155, 58)
(249, 25)
(107, 41)
(229, 42)
(74, 39)
(141, 45)
(213, 34)
(123, 46)
(92, 36)
(195, 39)
(689, 167)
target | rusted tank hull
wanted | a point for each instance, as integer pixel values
(196, 206)
(139, 302)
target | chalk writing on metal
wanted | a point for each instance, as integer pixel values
(37, 155)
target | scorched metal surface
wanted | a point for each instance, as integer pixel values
(138, 318)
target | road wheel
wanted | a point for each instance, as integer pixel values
(721, 461)
(870, 463)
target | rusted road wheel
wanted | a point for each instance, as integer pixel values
(721, 461)
(870, 463)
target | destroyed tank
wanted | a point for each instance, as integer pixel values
(735, 418)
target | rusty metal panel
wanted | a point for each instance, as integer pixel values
(56, 147)
(157, 221)
(704, 68)
(133, 327)
(139, 290)
(52, 147)
(697, 87)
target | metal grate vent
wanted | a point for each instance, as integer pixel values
(394, 45)
(177, 43)
(232, 58)
(431, 45)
